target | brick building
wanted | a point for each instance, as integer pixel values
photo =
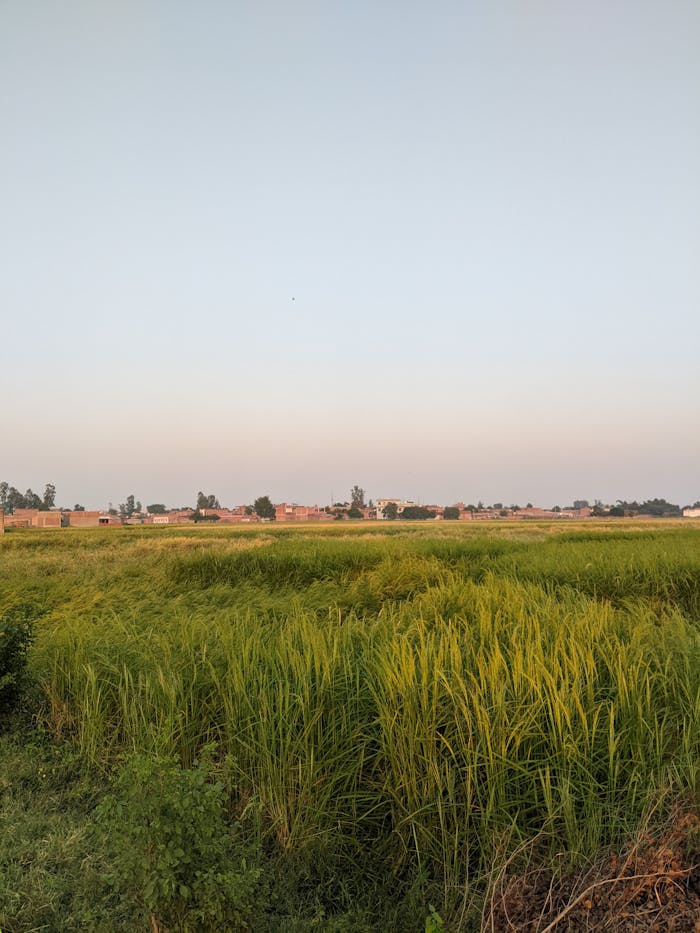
(174, 517)
(467, 515)
(236, 516)
(285, 512)
(94, 519)
(33, 518)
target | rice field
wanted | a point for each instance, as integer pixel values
(409, 705)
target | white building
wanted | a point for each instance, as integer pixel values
(400, 504)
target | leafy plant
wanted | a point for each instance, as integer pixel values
(16, 635)
(433, 922)
(173, 849)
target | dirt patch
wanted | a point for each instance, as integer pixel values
(654, 887)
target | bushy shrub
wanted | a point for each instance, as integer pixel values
(16, 635)
(172, 848)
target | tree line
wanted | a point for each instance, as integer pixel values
(11, 499)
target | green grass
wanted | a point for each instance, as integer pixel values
(400, 707)
(52, 864)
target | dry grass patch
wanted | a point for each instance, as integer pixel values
(653, 886)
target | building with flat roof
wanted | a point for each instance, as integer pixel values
(285, 512)
(400, 504)
(237, 516)
(33, 518)
(173, 517)
(92, 519)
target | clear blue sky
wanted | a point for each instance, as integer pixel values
(444, 251)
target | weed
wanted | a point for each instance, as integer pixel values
(172, 849)
(16, 635)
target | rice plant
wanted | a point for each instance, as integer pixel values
(432, 697)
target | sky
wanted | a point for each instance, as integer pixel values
(444, 251)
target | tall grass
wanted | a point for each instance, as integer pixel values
(430, 699)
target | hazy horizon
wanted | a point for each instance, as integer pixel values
(442, 253)
(189, 499)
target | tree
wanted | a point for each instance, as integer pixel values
(15, 499)
(81, 508)
(625, 509)
(416, 513)
(49, 496)
(264, 508)
(390, 511)
(357, 497)
(580, 503)
(156, 509)
(450, 513)
(32, 500)
(354, 512)
(11, 498)
(207, 502)
(127, 509)
(659, 507)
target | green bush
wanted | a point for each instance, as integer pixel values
(16, 635)
(172, 849)
(433, 922)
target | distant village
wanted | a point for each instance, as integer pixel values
(44, 514)
(384, 510)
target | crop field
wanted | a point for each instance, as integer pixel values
(357, 727)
